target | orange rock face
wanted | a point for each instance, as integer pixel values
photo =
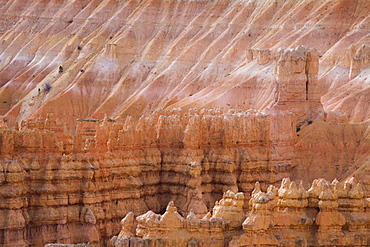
(160, 108)
(328, 214)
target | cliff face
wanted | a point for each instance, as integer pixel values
(71, 188)
(117, 106)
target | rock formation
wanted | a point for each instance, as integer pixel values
(360, 60)
(297, 85)
(110, 107)
(289, 221)
(278, 217)
(172, 229)
(138, 57)
(106, 166)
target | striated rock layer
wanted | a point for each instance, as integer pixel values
(328, 214)
(134, 57)
(110, 107)
(74, 187)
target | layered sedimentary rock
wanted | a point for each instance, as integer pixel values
(87, 180)
(135, 57)
(303, 218)
(92, 173)
(285, 216)
(110, 107)
(172, 229)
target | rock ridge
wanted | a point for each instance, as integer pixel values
(285, 216)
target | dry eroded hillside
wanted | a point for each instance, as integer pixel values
(134, 57)
(233, 86)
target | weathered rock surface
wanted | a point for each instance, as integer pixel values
(306, 218)
(88, 179)
(110, 107)
(328, 214)
(135, 57)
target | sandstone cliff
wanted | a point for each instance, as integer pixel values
(110, 107)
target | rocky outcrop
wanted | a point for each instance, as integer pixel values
(110, 107)
(100, 169)
(360, 60)
(172, 229)
(293, 219)
(297, 84)
(230, 208)
(288, 216)
(148, 55)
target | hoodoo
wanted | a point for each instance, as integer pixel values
(184, 123)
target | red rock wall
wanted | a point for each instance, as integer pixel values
(55, 181)
(69, 176)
